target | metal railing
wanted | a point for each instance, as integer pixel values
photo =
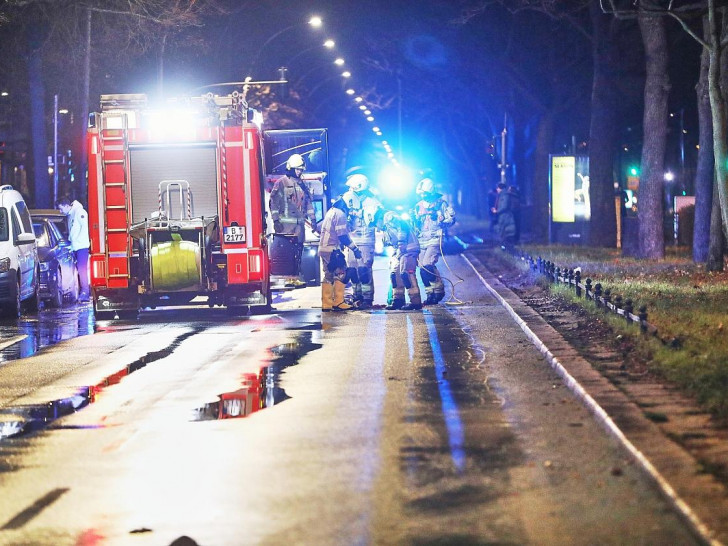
(602, 297)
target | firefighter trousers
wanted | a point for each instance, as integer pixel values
(402, 276)
(430, 275)
(361, 276)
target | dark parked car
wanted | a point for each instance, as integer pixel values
(59, 219)
(58, 274)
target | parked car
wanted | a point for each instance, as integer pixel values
(19, 266)
(59, 219)
(58, 274)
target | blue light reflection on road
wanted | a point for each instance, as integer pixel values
(46, 327)
(449, 407)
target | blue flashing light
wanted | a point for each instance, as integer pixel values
(396, 181)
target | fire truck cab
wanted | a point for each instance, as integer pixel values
(177, 205)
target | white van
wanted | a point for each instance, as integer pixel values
(18, 255)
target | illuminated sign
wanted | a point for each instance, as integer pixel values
(570, 189)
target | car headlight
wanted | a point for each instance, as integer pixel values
(4, 265)
(44, 266)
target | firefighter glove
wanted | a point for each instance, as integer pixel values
(357, 253)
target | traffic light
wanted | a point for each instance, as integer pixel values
(633, 171)
(2, 149)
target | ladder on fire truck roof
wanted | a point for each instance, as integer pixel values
(114, 153)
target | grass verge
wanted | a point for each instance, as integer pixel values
(685, 303)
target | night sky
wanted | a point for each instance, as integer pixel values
(450, 82)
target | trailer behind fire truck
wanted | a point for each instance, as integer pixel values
(177, 205)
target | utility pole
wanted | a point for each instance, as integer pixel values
(55, 149)
(399, 113)
(503, 150)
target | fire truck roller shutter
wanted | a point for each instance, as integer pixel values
(175, 264)
(152, 164)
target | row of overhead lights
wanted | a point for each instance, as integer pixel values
(359, 101)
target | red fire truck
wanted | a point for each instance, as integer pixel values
(177, 204)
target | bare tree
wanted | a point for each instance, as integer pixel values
(713, 42)
(76, 31)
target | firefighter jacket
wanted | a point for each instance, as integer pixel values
(78, 227)
(431, 218)
(290, 205)
(403, 238)
(333, 227)
(362, 209)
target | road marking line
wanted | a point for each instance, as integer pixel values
(603, 417)
(12, 341)
(450, 412)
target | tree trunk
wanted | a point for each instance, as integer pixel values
(82, 192)
(704, 170)
(541, 197)
(657, 86)
(603, 131)
(715, 253)
(41, 180)
(718, 113)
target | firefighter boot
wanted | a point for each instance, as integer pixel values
(415, 303)
(397, 303)
(431, 299)
(327, 296)
(339, 304)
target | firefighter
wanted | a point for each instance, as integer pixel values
(363, 207)
(77, 219)
(334, 236)
(290, 206)
(432, 216)
(400, 234)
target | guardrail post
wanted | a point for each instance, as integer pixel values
(643, 318)
(589, 293)
(598, 294)
(617, 303)
(577, 280)
(628, 309)
(569, 276)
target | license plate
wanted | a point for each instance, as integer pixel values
(234, 234)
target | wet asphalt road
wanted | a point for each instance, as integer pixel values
(439, 427)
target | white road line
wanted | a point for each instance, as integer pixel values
(12, 341)
(603, 417)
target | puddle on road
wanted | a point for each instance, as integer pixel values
(26, 419)
(260, 390)
(47, 327)
(257, 391)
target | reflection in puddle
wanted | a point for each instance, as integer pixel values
(261, 390)
(25, 419)
(46, 328)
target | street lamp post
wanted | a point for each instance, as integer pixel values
(314, 22)
(55, 149)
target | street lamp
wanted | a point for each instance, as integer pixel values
(315, 22)
(328, 44)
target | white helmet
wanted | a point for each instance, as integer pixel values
(426, 185)
(389, 217)
(295, 162)
(358, 182)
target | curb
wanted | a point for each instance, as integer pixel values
(701, 530)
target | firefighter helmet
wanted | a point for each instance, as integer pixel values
(295, 162)
(426, 185)
(390, 217)
(358, 182)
